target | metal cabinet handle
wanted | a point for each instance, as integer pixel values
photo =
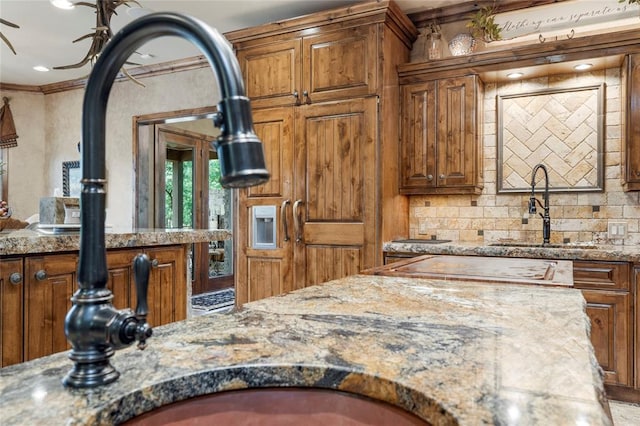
(296, 220)
(283, 216)
(155, 263)
(296, 96)
(41, 275)
(429, 177)
(442, 177)
(305, 94)
(15, 278)
(637, 172)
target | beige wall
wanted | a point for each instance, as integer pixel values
(576, 216)
(27, 167)
(49, 128)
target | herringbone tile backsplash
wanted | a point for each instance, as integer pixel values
(561, 132)
(557, 129)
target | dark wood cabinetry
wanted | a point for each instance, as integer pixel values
(326, 108)
(315, 68)
(605, 286)
(631, 126)
(441, 136)
(35, 296)
(11, 311)
(49, 284)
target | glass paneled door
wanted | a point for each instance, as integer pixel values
(188, 195)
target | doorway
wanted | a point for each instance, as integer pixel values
(177, 186)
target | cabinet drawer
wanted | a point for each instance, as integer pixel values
(601, 275)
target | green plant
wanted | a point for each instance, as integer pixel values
(483, 26)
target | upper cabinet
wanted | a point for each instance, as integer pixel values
(314, 68)
(441, 138)
(631, 127)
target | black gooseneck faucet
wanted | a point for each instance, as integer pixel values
(546, 219)
(93, 326)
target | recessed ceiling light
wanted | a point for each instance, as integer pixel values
(514, 75)
(582, 67)
(41, 68)
(62, 4)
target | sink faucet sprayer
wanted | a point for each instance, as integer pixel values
(93, 326)
(546, 219)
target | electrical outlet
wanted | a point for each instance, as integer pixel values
(617, 230)
(422, 228)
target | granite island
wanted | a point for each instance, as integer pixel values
(469, 353)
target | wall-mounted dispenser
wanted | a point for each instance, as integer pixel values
(264, 227)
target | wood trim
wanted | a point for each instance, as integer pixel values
(453, 13)
(551, 52)
(371, 12)
(350, 234)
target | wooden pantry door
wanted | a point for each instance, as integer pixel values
(268, 272)
(334, 208)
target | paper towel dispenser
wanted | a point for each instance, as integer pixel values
(264, 227)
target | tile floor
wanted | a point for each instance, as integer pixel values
(625, 414)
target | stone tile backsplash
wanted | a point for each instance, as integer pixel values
(575, 216)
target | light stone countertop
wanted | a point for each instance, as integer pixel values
(601, 252)
(468, 354)
(25, 241)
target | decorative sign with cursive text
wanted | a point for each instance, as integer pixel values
(564, 15)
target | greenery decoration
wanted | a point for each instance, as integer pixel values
(483, 26)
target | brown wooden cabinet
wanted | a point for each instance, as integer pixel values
(606, 287)
(631, 126)
(314, 68)
(636, 326)
(11, 311)
(35, 296)
(331, 150)
(441, 136)
(50, 281)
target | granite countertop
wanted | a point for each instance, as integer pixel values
(577, 251)
(26, 241)
(469, 353)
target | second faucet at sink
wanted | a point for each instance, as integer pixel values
(546, 219)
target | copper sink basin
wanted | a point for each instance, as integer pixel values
(279, 406)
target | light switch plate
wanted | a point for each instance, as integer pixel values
(617, 230)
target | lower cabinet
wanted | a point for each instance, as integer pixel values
(11, 310)
(36, 290)
(606, 288)
(49, 284)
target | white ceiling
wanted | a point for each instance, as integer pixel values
(46, 33)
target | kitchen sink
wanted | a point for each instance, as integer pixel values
(540, 245)
(279, 406)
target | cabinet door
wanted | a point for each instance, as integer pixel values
(610, 314)
(335, 183)
(631, 126)
(268, 272)
(340, 64)
(50, 282)
(418, 133)
(457, 139)
(272, 73)
(11, 319)
(120, 278)
(167, 296)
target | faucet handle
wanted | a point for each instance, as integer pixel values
(141, 271)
